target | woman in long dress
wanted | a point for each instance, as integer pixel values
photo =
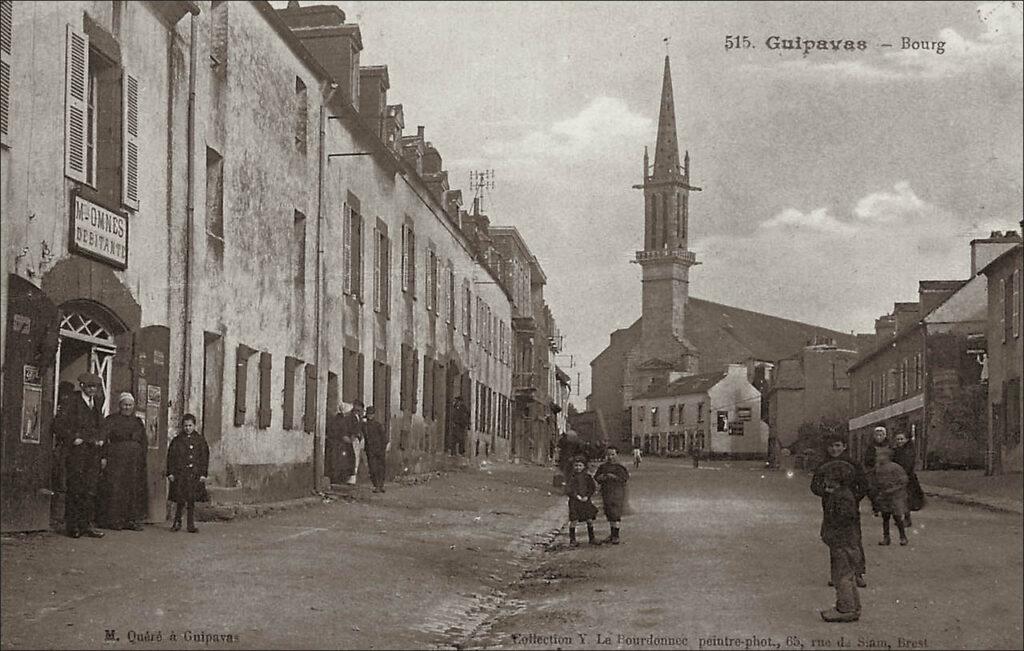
(123, 486)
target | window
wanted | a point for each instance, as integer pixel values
(381, 270)
(700, 412)
(1010, 309)
(450, 317)
(679, 414)
(288, 410)
(736, 429)
(353, 249)
(904, 373)
(721, 421)
(6, 48)
(654, 416)
(671, 414)
(301, 115)
(1003, 325)
(431, 284)
(299, 257)
(467, 309)
(918, 373)
(214, 193)
(408, 260)
(640, 413)
(428, 387)
(309, 415)
(242, 355)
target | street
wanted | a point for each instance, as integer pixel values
(470, 559)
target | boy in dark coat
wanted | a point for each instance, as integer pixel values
(840, 530)
(580, 487)
(836, 451)
(79, 428)
(188, 460)
(889, 497)
(612, 476)
(377, 445)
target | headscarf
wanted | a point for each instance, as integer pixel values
(125, 397)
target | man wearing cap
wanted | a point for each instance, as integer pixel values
(377, 445)
(79, 428)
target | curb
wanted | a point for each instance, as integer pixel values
(955, 496)
(217, 512)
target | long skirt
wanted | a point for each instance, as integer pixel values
(122, 489)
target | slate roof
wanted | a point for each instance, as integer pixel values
(685, 386)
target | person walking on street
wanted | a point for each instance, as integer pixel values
(188, 462)
(351, 436)
(836, 452)
(580, 488)
(123, 483)
(333, 447)
(889, 496)
(460, 425)
(637, 456)
(377, 446)
(840, 525)
(905, 454)
(79, 429)
(612, 476)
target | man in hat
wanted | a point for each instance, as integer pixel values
(377, 445)
(79, 429)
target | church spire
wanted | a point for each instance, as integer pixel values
(666, 152)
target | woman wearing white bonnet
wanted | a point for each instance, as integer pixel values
(123, 485)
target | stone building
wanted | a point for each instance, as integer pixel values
(1005, 361)
(232, 223)
(808, 387)
(677, 333)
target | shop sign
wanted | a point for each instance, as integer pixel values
(99, 233)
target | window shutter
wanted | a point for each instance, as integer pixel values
(309, 418)
(377, 302)
(76, 88)
(360, 362)
(403, 381)
(414, 379)
(130, 141)
(1016, 303)
(357, 253)
(288, 410)
(6, 48)
(266, 366)
(428, 386)
(346, 237)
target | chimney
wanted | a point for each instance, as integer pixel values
(413, 149)
(885, 327)
(394, 123)
(334, 43)
(432, 162)
(373, 97)
(906, 315)
(984, 251)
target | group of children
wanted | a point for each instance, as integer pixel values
(888, 479)
(581, 487)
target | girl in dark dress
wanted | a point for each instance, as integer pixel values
(188, 459)
(580, 487)
(906, 456)
(123, 486)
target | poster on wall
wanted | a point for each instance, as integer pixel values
(153, 395)
(31, 405)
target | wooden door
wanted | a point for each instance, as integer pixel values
(149, 372)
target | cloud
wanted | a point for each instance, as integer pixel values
(816, 220)
(883, 207)
(591, 133)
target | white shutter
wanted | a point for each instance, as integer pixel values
(346, 237)
(76, 89)
(6, 46)
(130, 141)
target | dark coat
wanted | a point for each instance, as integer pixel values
(871, 452)
(188, 459)
(612, 477)
(906, 457)
(376, 439)
(890, 488)
(583, 485)
(122, 489)
(76, 420)
(460, 416)
(840, 523)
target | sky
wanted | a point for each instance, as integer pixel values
(833, 181)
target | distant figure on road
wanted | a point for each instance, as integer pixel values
(637, 456)
(580, 487)
(889, 494)
(460, 425)
(774, 452)
(840, 530)
(836, 451)
(879, 439)
(377, 446)
(612, 476)
(905, 454)
(695, 454)
(188, 459)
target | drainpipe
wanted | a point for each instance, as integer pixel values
(321, 370)
(190, 175)
(922, 445)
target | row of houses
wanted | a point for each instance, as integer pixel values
(233, 221)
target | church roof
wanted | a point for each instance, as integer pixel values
(685, 386)
(723, 334)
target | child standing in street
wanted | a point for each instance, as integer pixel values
(188, 459)
(637, 456)
(580, 487)
(889, 481)
(840, 531)
(612, 476)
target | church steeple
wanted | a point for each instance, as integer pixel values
(666, 152)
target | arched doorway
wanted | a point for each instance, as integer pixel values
(88, 342)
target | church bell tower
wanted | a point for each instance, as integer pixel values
(665, 258)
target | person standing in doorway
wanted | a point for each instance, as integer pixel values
(460, 425)
(377, 446)
(188, 461)
(79, 429)
(123, 485)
